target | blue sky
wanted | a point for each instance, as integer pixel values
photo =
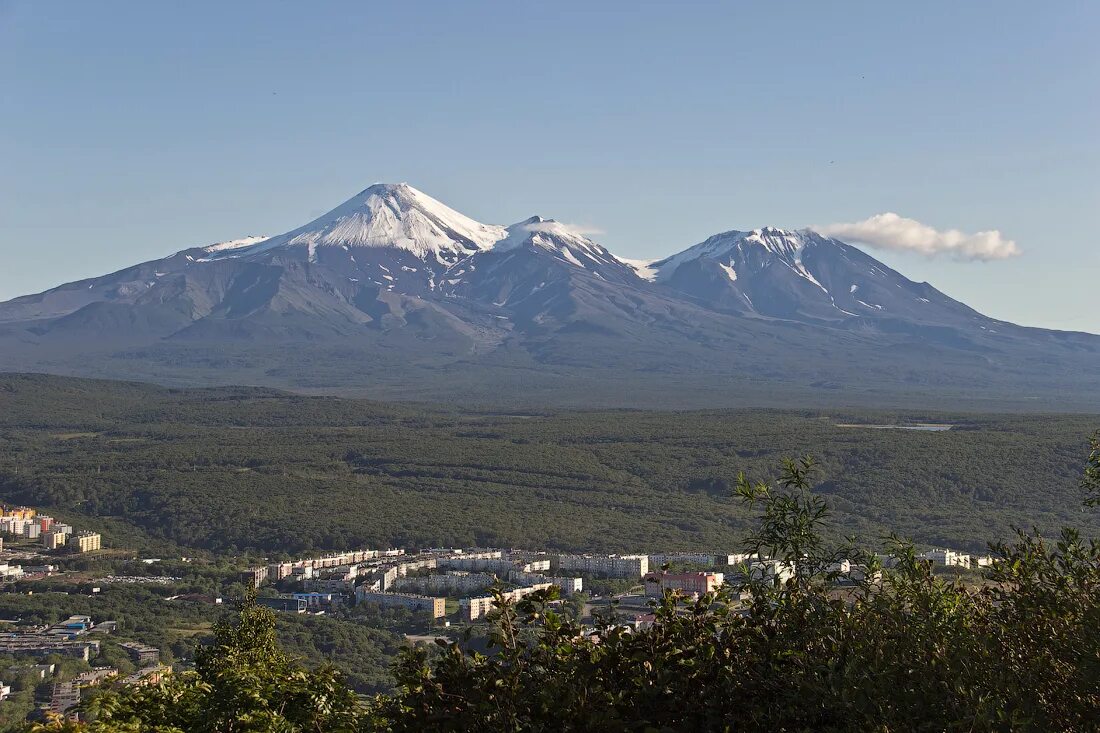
(132, 130)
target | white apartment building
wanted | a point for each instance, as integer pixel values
(946, 558)
(612, 566)
(568, 586)
(474, 608)
(456, 580)
(682, 558)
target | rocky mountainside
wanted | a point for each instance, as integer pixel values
(394, 294)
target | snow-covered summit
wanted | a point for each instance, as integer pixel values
(546, 234)
(394, 215)
(786, 245)
(561, 241)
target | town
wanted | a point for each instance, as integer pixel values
(428, 581)
(447, 589)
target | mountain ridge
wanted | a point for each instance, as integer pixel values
(398, 288)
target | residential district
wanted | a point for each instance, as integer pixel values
(424, 582)
(38, 535)
(443, 586)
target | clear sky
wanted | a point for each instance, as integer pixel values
(129, 130)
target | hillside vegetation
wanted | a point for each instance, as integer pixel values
(234, 469)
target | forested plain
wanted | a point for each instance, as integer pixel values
(249, 470)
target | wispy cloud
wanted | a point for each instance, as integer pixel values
(581, 230)
(893, 232)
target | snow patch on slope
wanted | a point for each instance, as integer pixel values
(233, 244)
(643, 268)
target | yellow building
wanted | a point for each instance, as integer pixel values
(53, 540)
(88, 541)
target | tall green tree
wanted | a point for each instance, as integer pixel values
(242, 683)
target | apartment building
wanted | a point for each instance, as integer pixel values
(567, 585)
(473, 609)
(329, 585)
(772, 570)
(279, 570)
(946, 558)
(682, 558)
(87, 541)
(693, 584)
(142, 654)
(63, 697)
(458, 581)
(43, 645)
(52, 540)
(434, 607)
(611, 566)
(255, 577)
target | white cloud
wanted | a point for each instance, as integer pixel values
(557, 227)
(893, 232)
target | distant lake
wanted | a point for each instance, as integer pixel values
(926, 427)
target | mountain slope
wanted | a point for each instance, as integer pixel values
(394, 294)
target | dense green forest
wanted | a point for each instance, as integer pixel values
(245, 469)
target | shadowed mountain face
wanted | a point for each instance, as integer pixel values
(393, 294)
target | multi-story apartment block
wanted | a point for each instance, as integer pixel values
(948, 558)
(490, 560)
(568, 585)
(43, 645)
(329, 585)
(302, 572)
(475, 608)
(63, 697)
(87, 541)
(458, 581)
(612, 566)
(255, 577)
(10, 572)
(682, 558)
(51, 540)
(693, 584)
(142, 654)
(772, 569)
(412, 566)
(739, 558)
(279, 570)
(434, 607)
(535, 566)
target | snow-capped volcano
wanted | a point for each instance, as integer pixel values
(800, 274)
(393, 287)
(393, 215)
